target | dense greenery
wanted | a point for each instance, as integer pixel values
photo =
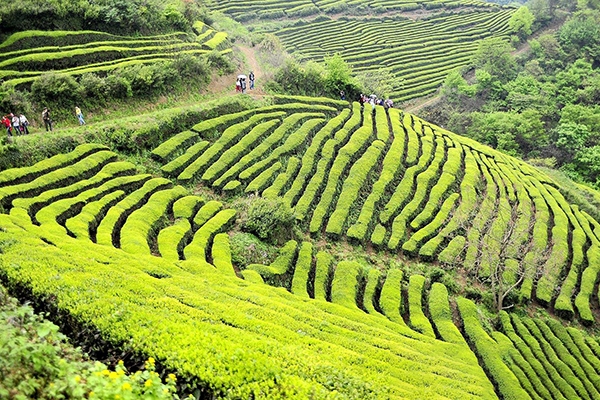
(542, 106)
(118, 16)
(37, 361)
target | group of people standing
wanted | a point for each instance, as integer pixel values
(374, 101)
(17, 124)
(240, 83)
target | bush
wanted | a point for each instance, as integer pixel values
(270, 219)
(36, 361)
(247, 249)
(62, 91)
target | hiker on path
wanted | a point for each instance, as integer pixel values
(251, 78)
(7, 124)
(342, 95)
(238, 85)
(24, 124)
(47, 119)
(16, 123)
(79, 115)
(243, 83)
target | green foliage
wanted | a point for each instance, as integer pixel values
(269, 219)
(37, 361)
(247, 249)
(111, 15)
(521, 22)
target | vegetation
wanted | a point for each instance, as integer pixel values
(292, 246)
(38, 362)
(541, 106)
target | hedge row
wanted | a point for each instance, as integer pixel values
(309, 159)
(300, 281)
(172, 239)
(390, 300)
(419, 196)
(404, 189)
(259, 151)
(283, 180)
(489, 352)
(108, 172)
(327, 157)
(292, 145)
(273, 273)
(231, 134)
(59, 211)
(85, 224)
(345, 283)
(417, 319)
(221, 353)
(353, 184)
(389, 173)
(233, 154)
(197, 249)
(357, 142)
(142, 225)
(109, 229)
(84, 168)
(14, 176)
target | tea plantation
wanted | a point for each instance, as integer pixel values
(26, 55)
(418, 42)
(141, 264)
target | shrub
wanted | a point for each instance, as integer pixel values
(247, 249)
(270, 219)
(60, 90)
(36, 361)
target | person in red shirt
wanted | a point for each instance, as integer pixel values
(6, 122)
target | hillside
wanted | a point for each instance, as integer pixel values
(149, 265)
(417, 42)
(278, 246)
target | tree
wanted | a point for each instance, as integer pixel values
(338, 76)
(493, 55)
(505, 251)
(521, 21)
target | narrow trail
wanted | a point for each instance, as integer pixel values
(225, 84)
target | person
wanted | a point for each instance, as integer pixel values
(243, 84)
(238, 85)
(7, 124)
(16, 123)
(24, 124)
(47, 119)
(372, 101)
(342, 95)
(79, 115)
(251, 77)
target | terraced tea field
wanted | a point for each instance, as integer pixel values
(418, 52)
(389, 179)
(86, 229)
(268, 9)
(149, 266)
(26, 55)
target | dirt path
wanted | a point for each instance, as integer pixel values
(225, 85)
(421, 103)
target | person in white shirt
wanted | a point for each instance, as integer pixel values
(24, 124)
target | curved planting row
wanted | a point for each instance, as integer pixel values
(26, 55)
(419, 53)
(269, 9)
(89, 195)
(388, 178)
(534, 358)
(86, 230)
